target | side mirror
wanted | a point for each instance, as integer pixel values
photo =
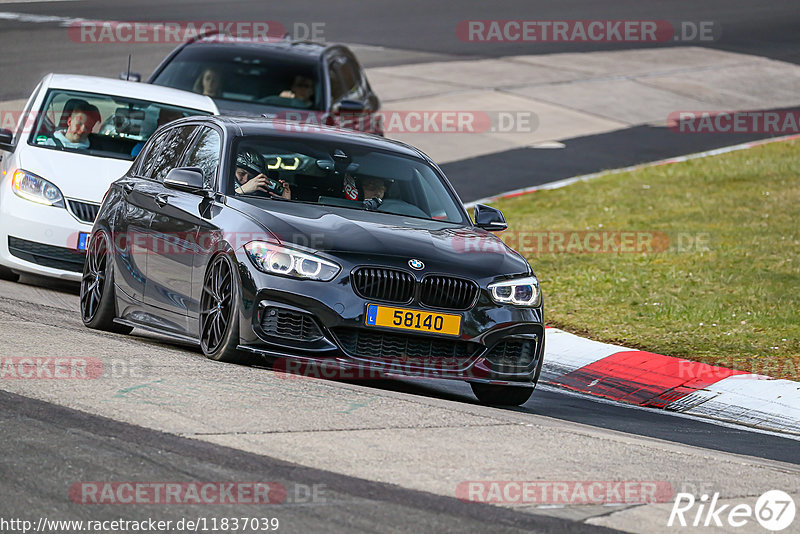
(489, 218)
(130, 76)
(6, 137)
(350, 106)
(189, 179)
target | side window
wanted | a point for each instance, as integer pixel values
(337, 87)
(149, 158)
(205, 155)
(173, 146)
(351, 78)
(349, 75)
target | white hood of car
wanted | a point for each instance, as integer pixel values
(78, 176)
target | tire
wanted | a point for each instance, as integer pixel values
(98, 299)
(219, 312)
(497, 395)
(8, 274)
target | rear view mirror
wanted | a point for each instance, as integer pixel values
(489, 218)
(189, 179)
(350, 106)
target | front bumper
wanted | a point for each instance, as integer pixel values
(40, 239)
(318, 323)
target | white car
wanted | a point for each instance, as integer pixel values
(76, 135)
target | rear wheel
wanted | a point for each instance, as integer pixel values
(97, 287)
(219, 312)
(497, 395)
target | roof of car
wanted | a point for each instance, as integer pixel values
(304, 49)
(248, 125)
(141, 91)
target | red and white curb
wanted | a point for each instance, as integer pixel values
(674, 384)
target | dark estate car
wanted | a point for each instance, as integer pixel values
(362, 257)
(319, 83)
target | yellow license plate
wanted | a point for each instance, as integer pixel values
(417, 320)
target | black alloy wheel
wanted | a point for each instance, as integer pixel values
(219, 312)
(97, 287)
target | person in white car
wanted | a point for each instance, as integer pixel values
(80, 123)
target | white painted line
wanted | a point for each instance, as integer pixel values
(586, 177)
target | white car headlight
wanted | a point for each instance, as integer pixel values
(276, 259)
(519, 291)
(36, 189)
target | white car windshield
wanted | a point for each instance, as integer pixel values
(99, 124)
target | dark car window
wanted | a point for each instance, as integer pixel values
(241, 74)
(149, 158)
(338, 89)
(351, 78)
(339, 175)
(205, 155)
(173, 145)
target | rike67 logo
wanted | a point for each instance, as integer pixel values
(774, 510)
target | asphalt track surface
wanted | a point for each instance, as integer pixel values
(427, 30)
(47, 447)
(34, 477)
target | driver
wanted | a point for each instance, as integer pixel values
(250, 176)
(365, 188)
(373, 187)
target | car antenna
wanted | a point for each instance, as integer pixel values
(128, 73)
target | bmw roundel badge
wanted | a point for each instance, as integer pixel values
(416, 264)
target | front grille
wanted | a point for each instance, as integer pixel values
(47, 255)
(448, 292)
(84, 211)
(383, 284)
(512, 354)
(413, 349)
(288, 324)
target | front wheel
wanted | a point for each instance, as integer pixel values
(497, 395)
(219, 312)
(97, 287)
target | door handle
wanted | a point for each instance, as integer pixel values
(162, 199)
(128, 188)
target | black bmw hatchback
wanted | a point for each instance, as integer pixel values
(313, 245)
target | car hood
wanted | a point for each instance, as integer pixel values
(363, 236)
(78, 176)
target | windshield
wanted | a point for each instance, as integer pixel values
(340, 175)
(243, 76)
(101, 125)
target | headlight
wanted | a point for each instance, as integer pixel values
(275, 259)
(36, 189)
(521, 291)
